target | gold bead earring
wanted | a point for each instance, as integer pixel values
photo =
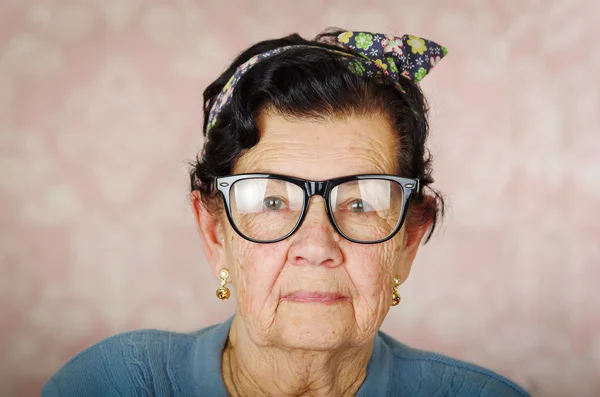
(223, 292)
(396, 294)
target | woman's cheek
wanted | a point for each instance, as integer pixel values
(371, 270)
(256, 276)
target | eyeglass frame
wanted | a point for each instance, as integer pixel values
(310, 188)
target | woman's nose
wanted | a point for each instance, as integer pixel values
(316, 243)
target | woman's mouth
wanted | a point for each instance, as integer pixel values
(303, 296)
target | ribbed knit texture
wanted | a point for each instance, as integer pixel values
(160, 363)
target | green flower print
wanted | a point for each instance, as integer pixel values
(379, 63)
(364, 41)
(356, 68)
(444, 51)
(345, 37)
(417, 44)
(228, 85)
(393, 67)
(210, 125)
(420, 74)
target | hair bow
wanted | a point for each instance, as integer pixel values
(409, 56)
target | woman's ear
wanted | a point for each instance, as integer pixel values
(414, 236)
(211, 233)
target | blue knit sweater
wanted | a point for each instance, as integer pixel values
(160, 363)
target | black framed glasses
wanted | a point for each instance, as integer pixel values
(365, 209)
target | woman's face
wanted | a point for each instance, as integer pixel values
(278, 285)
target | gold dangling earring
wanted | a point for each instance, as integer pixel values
(396, 294)
(223, 292)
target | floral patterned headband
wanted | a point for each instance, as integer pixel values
(408, 57)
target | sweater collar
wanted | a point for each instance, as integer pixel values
(207, 359)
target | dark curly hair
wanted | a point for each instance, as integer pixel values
(311, 83)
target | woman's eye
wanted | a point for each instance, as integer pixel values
(360, 206)
(273, 203)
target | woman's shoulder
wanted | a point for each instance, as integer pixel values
(436, 372)
(132, 361)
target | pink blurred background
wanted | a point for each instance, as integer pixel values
(100, 109)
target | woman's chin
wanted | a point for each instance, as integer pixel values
(314, 326)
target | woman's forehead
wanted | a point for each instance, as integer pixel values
(322, 148)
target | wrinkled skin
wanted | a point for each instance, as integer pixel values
(281, 346)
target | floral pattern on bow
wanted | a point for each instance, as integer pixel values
(408, 57)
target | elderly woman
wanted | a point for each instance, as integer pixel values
(312, 197)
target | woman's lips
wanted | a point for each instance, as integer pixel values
(314, 297)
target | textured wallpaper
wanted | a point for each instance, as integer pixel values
(100, 111)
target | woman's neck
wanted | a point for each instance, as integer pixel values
(251, 370)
